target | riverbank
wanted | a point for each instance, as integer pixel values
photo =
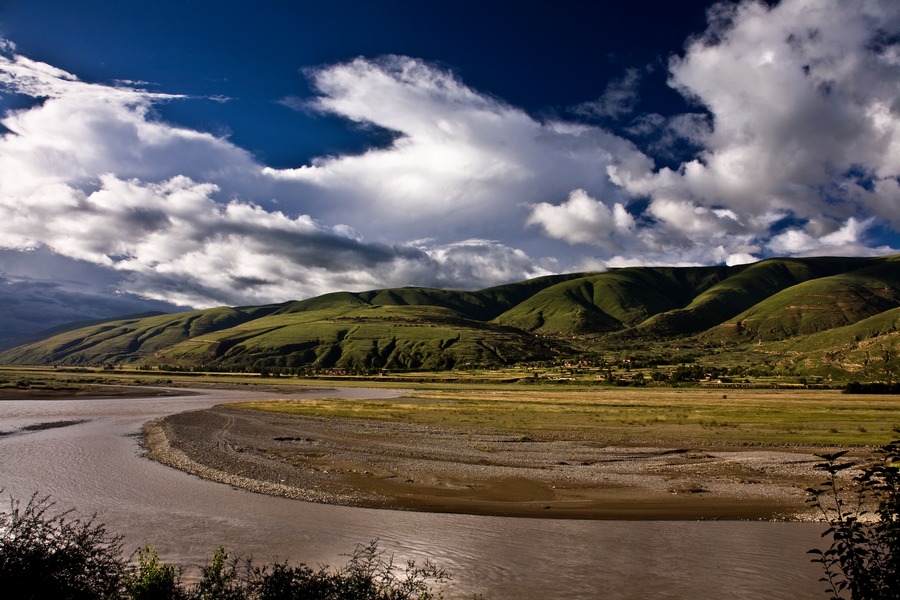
(86, 392)
(381, 464)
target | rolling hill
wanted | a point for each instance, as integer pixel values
(813, 307)
(818, 304)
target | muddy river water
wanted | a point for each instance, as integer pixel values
(96, 466)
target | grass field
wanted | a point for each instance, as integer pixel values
(613, 416)
(607, 415)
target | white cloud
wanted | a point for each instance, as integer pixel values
(801, 95)
(686, 218)
(182, 215)
(741, 258)
(847, 240)
(584, 220)
(463, 163)
(82, 130)
(174, 242)
(469, 263)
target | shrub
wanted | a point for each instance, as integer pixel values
(219, 580)
(152, 580)
(368, 575)
(863, 559)
(875, 387)
(53, 555)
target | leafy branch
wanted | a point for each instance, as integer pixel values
(862, 561)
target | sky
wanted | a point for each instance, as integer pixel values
(195, 153)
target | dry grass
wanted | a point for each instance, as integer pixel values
(681, 416)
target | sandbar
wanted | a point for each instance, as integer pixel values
(403, 466)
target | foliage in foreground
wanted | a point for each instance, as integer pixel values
(863, 559)
(46, 554)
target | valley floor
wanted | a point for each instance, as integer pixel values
(409, 466)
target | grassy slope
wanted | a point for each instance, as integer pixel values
(868, 349)
(126, 339)
(746, 287)
(610, 301)
(818, 305)
(367, 337)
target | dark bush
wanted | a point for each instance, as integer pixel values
(53, 555)
(220, 580)
(875, 387)
(152, 580)
(368, 575)
(863, 559)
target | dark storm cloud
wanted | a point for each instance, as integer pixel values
(34, 305)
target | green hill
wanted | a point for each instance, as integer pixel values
(818, 305)
(744, 287)
(128, 339)
(483, 305)
(809, 306)
(611, 301)
(364, 338)
(867, 349)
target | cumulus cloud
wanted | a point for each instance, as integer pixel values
(582, 219)
(183, 216)
(806, 122)
(467, 264)
(81, 130)
(463, 163)
(843, 241)
(182, 246)
(800, 121)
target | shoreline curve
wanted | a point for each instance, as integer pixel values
(402, 466)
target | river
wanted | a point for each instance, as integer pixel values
(96, 466)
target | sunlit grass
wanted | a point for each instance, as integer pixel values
(685, 416)
(606, 415)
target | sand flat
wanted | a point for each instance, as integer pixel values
(381, 464)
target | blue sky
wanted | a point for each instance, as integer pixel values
(194, 153)
(535, 56)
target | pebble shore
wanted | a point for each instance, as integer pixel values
(357, 462)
